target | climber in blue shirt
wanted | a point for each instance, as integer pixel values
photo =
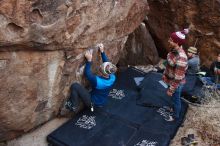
(101, 84)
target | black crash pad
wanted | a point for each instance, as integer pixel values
(71, 133)
(122, 122)
(152, 92)
(122, 102)
(146, 138)
(91, 128)
(190, 83)
(125, 80)
(160, 123)
(193, 89)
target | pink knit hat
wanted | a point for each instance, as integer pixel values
(179, 37)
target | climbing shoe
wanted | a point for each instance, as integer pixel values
(189, 140)
(69, 106)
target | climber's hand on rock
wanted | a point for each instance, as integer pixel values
(88, 55)
(101, 47)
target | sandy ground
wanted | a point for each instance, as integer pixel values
(185, 129)
(204, 123)
(38, 136)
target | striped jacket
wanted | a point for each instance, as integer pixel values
(174, 73)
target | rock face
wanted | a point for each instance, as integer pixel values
(203, 17)
(29, 89)
(42, 43)
(139, 48)
(59, 24)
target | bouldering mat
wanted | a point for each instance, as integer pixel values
(122, 121)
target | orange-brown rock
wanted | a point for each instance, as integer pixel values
(59, 24)
(202, 16)
(42, 45)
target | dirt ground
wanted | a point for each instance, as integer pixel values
(185, 129)
(204, 123)
(38, 136)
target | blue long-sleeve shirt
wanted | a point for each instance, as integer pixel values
(100, 85)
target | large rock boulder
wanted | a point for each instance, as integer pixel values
(59, 24)
(42, 45)
(203, 17)
(139, 49)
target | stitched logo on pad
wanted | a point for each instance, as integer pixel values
(165, 112)
(86, 122)
(117, 94)
(146, 143)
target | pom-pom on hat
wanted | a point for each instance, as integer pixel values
(179, 37)
(108, 68)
